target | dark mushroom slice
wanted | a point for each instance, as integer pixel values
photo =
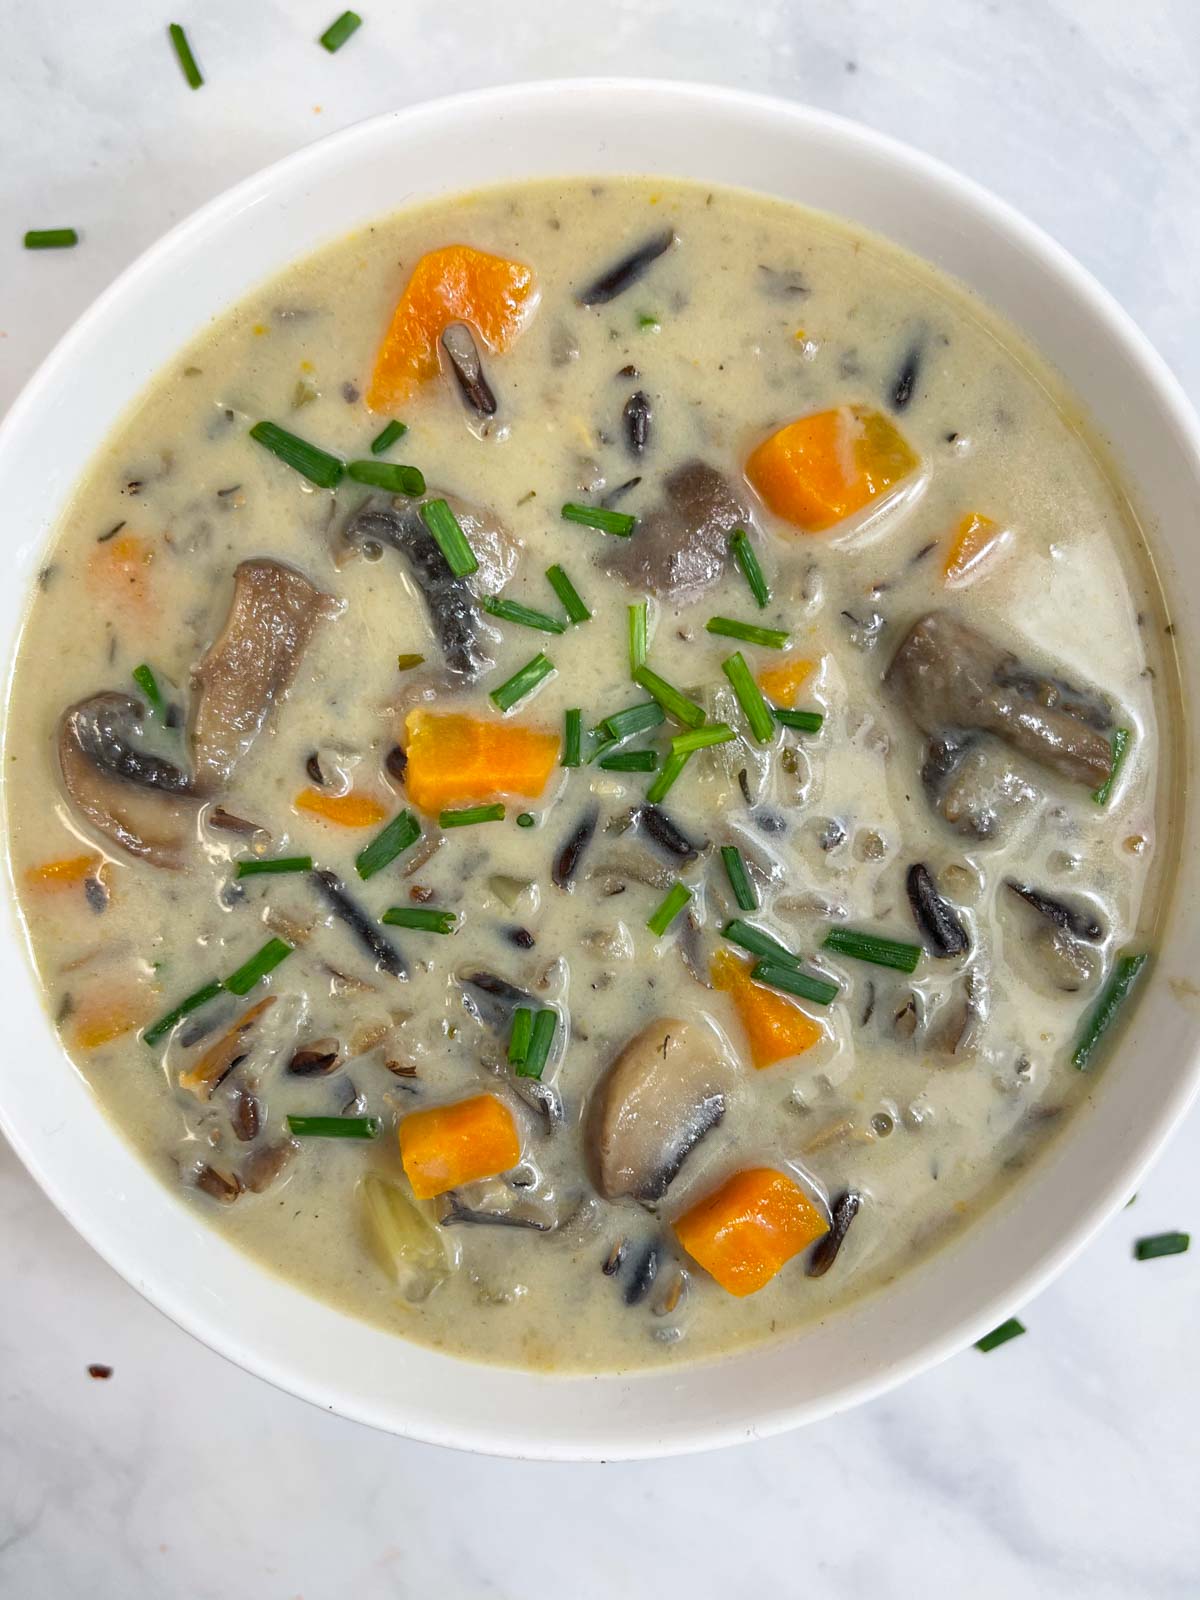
(971, 784)
(266, 1166)
(637, 417)
(681, 546)
(463, 354)
(566, 862)
(491, 999)
(667, 834)
(136, 800)
(1083, 924)
(453, 1210)
(825, 1252)
(384, 953)
(628, 270)
(665, 1091)
(543, 1098)
(219, 1186)
(942, 930)
(952, 679)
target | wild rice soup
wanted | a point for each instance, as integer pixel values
(539, 1036)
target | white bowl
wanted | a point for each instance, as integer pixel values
(593, 127)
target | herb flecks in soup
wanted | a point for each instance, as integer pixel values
(583, 770)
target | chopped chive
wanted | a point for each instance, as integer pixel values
(403, 830)
(630, 761)
(749, 696)
(572, 738)
(526, 616)
(334, 1127)
(647, 319)
(144, 677)
(541, 1039)
(740, 880)
(518, 1039)
(758, 942)
(452, 541)
(1121, 740)
(638, 634)
(701, 738)
(769, 638)
(792, 981)
(163, 1026)
(258, 865)
(1103, 1014)
(51, 239)
(568, 595)
(424, 919)
(743, 554)
(470, 815)
(339, 31)
(406, 663)
(802, 721)
(526, 819)
(389, 475)
(659, 789)
(385, 440)
(619, 523)
(259, 964)
(669, 698)
(318, 466)
(522, 683)
(1012, 1329)
(634, 719)
(880, 952)
(183, 54)
(1161, 1244)
(672, 904)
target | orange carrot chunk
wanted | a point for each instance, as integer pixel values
(822, 468)
(68, 873)
(456, 760)
(781, 684)
(775, 1026)
(119, 569)
(456, 284)
(99, 1021)
(976, 543)
(353, 810)
(749, 1228)
(449, 1145)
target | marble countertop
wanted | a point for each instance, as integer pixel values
(1064, 1464)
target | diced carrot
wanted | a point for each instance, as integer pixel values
(455, 759)
(976, 543)
(67, 873)
(105, 1018)
(824, 467)
(460, 1143)
(353, 810)
(456, 284)
(775, 1025)
(781, 684)
(120, 569)
(749, 1228)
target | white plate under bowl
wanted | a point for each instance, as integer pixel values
(557, 129)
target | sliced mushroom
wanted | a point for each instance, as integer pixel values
(973, 787)
(658, 1099)
(492, 1000)
(250, 665)
(494, 1204)
(266, 1166)
(681, 547)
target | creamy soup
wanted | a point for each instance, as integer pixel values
(638, 854)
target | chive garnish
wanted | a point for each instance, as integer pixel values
(669, 698)
(51, 239)
(638, 634)
(389, 475)
(144, 677)
(318, 466)
(659, 789)
(452, 541)
(802, 721)
(522, 683)
(1121, 740)
(424, 919)
(568, 595)
(740, 880)
(871, 947)
(647, 319)
(183, 54)
(743, 554)
(470, 815)
(541, 1039)
(385, 440)
(1103, 1014)
(701, 738)
(792, 981)
(630, 761)
(405, 663)
(751, 633)
(259, 964)
(672, 904)
(256, 866)
(334, 1127)
(634, 719)
(1161, 1244)
(518, 1039)
(572, 738)
(403, 830)
(620, 523)
(526, 616)
(1012, 1329)
(339, 31)
(758, 942)
(749, 697)
(526, 819)
(163, 1026)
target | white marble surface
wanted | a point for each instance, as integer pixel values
(1062, 1465)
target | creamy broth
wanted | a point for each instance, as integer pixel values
(922, 1095)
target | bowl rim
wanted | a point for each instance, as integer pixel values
(622, 1438)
